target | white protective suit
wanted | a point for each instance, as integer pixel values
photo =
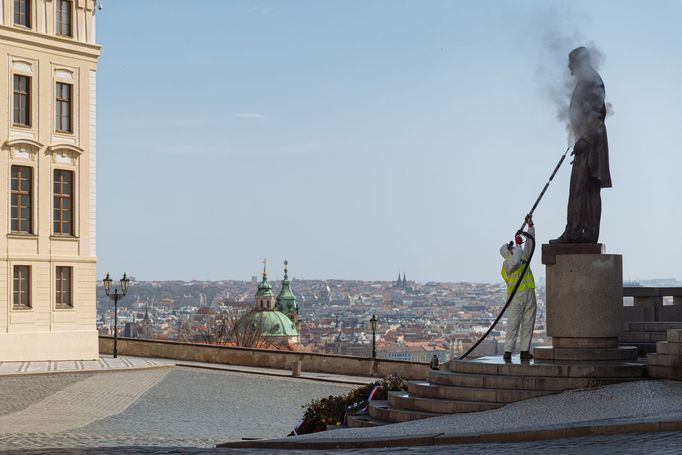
(521, 312)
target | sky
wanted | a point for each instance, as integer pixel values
(361, 139)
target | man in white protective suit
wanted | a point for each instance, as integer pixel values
(521, 312)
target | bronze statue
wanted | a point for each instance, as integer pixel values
(591, 164)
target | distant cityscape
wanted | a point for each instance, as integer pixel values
(415, 320)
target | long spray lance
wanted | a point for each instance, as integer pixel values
(542, 193)
(530, 257)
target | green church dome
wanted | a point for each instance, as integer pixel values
(268, 324)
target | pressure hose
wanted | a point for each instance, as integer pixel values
(530, 238)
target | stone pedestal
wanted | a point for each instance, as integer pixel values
(584, 304)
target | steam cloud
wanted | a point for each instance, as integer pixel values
(552, 71)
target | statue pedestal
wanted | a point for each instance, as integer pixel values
(584, 304)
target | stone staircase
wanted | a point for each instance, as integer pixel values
(489, 383)
(666, 362)
(645, 335)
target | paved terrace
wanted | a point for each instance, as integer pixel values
(148, 406)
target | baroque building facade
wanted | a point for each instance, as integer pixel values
(48, 64)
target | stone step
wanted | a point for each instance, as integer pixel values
(644, 348)
(585, 355)
(662, 372)
(658, 326)
(669, 348)
(380, 410)
(664, 360)
(445, 392)
(674, 335)
(405, 400)
(363, 421)
(496, 366)
(548, 384)
(641, 337)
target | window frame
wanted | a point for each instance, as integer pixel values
(18, 93)
(25, 291)
(18, 193)
(28, 14)
(58, 15)
(57, 200)
(59, 292)
(61, 101)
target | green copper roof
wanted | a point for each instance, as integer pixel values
(286, 300)
(269, 324)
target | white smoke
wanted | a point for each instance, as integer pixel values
(557, 37)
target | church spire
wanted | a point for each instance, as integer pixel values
(286, 300)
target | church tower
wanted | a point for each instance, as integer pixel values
(286, 300)
(265, 299)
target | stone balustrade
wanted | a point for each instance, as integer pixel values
(264, 358)
(648, 304)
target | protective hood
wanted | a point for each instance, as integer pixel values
(504, 251)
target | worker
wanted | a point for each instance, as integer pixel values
(521, 312)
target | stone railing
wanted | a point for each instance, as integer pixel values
(264, 358)
(648, 304)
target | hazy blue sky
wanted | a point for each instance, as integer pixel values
(361, 138)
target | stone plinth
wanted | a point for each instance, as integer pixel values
(584, 304)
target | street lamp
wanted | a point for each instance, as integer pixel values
(373, 321)
(116, 296)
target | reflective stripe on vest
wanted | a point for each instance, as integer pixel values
(528, 281)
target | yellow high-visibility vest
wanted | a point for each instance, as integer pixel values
(528, 281)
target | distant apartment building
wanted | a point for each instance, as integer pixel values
(48, 62)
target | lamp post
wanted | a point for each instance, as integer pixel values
(373, 321)
(116, 296)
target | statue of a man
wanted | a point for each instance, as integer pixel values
(591, 164)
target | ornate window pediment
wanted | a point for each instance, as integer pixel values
(24, 148)
(65, 153)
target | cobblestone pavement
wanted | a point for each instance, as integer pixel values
(20, 392)
(104, 363)
(181, 407)
(187, 410)
(629, 444)
(83, 402)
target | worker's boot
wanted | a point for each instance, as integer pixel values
(507, 356)
(526, 355)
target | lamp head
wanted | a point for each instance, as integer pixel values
(107, 284)
(124, 283)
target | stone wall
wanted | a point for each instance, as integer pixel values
(321, 363)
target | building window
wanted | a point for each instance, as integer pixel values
(63, 287)
(22, 12)
(22, 189)
(64, 17)
(63, 202)
(63, 107)
(21, 292)
(22, 100)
